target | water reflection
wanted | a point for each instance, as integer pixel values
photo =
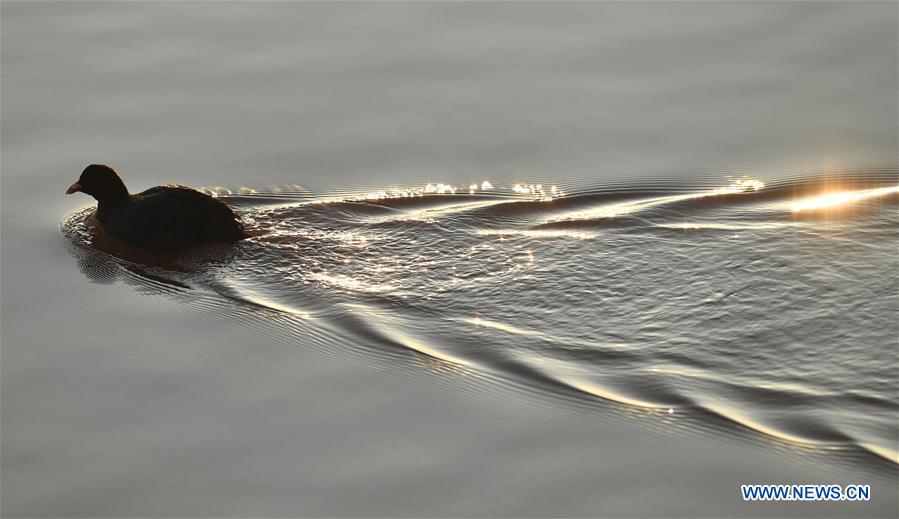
(830, 200)
(662, 311)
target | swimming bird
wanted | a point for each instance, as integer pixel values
(163, 218)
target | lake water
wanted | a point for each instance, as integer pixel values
(509, 259)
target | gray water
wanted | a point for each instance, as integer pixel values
(667, 229)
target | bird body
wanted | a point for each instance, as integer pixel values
(162, 218)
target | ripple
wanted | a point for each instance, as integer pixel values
(749, 302)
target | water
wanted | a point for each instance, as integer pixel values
(507, 246)
(772, 307)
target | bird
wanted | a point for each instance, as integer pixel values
(164, 218)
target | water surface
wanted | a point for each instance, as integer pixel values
(768, 306)
(580, 259)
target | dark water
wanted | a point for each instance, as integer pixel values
(769, 306)
(662, 310)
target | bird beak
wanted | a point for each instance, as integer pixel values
(74, 187)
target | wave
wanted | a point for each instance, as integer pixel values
(611, 206)
(709, 303)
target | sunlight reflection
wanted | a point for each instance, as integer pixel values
(350, 283)
(536, 191)
(738, 186)
(508, 328)
(255, 298)
(606, 394)
(834, 199)
(624, 208)
(386, 324)
(738, 417)
(883, 452)
(431, 188)
(430, 214)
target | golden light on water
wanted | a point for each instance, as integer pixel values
(537, 191)
(504, 327)
(351, 283)
(740, 186)
(431, 213)
(431, 188)
(737, 186)
(835, 199)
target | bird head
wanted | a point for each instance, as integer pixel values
(101, 182)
